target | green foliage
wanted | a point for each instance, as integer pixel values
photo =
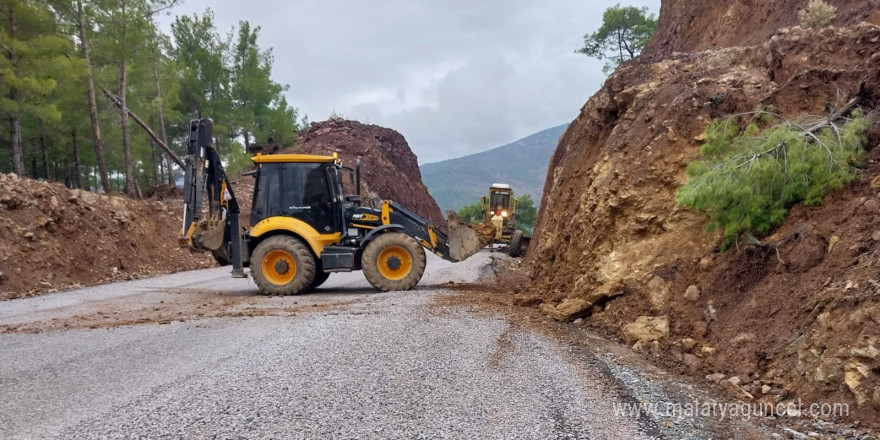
(625, 31)
(238, 161)
(526, 212)
(259, 102)
(472, 213)
(167, 80)
(204, 74)
(817, 14)
(749, 176)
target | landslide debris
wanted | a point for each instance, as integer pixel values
(53, 238)
(389, 169)
(792, 317)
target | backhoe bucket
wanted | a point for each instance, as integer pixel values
(466, 240)
(209, 234)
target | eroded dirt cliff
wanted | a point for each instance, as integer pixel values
(797, 318)
(389, 169)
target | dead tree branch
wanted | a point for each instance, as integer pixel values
(115, 100)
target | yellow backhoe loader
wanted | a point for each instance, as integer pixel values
(303, 227)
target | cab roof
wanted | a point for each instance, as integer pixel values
(296, 158)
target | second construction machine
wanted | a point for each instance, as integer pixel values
(500, 208)
(303, 227)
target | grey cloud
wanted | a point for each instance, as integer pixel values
(455, 77)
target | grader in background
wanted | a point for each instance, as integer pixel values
(500, 209)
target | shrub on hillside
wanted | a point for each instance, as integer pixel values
(817, 14)
(751, 171)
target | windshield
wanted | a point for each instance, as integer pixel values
(500, 200)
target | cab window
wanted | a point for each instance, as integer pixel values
(298, 190)
(501, 200)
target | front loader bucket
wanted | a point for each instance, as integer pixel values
(466, 240)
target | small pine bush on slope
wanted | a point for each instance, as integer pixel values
(751, 172)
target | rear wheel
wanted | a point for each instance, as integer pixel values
(393, 261)
(516, 241)
(282, 265)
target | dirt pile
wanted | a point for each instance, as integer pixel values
(389, 169)
(53, 238)
(794, 319)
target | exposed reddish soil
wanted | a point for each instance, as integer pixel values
(687, 26)
(54, 238)
(798, 314)
(389, 169)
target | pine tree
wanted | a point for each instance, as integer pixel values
(751, 173)
(35, 57)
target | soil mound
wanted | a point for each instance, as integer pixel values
(389, 169)
(796, 313)
(53, 238)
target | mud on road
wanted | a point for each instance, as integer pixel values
(454, 339)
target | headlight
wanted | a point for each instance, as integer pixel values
(504, 213)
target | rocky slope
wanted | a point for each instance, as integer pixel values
(612, 246)
(687, 26)
(389, 169)
(52, 238)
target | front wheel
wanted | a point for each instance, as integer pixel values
(282, 265)
(393, 261)
(516, 241)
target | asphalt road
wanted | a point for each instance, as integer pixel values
(344, 362)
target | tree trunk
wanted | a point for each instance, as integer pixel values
(161, 169)
(161, 118)
(15, 118)
(75, 158)
(15, 131)
(93, 103)
(156, 177)
(44, 155)
(130, 186)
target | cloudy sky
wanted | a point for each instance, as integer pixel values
(455, 77)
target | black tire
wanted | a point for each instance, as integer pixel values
(516, 240)
(272, 261)
(221, 256)
(320, 277)
(393, 261)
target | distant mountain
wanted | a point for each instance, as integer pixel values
(455, 183)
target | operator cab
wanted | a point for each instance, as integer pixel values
(305, 187)
(500, 197)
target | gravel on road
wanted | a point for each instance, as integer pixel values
(376, 365)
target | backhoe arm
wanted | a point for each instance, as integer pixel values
(459, 244)
(218, 230)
